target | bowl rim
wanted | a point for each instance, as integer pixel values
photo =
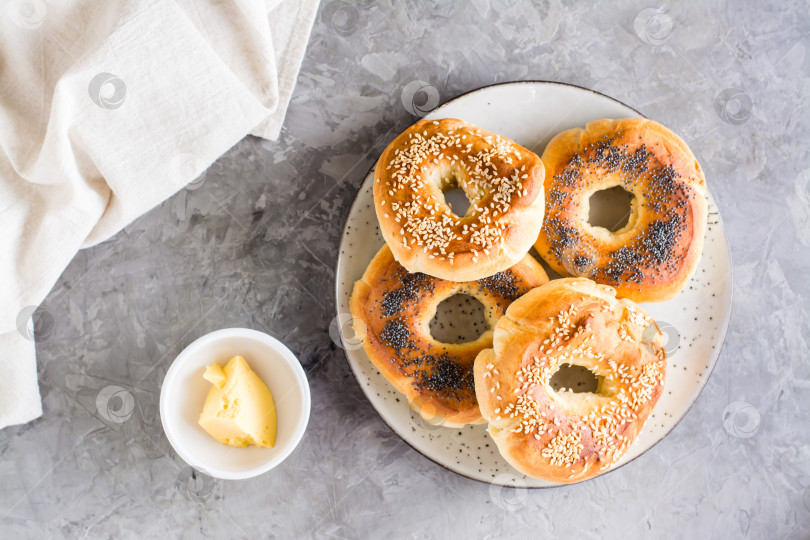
(287, 357)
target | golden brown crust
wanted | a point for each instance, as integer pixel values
(563, 436)
(502, 180)
(392, 310)
(655, 254)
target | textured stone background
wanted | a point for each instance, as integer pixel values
(253, 243)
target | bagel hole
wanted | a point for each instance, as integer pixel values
(610, 208)
(578, 379)
(459, 319)
(457, 200)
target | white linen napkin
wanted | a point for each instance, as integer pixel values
(107, 108)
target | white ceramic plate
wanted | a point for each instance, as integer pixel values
(695, 322)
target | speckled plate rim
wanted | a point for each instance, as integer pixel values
(704, 380)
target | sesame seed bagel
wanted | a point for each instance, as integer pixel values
(502, 180)
(392, 310)
(563, 436)
(652, 257)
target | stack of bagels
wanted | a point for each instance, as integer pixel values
(587, 318)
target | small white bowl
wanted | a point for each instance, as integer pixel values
(184, 391)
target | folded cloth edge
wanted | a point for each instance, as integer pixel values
(23, 402)
(289, 64)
